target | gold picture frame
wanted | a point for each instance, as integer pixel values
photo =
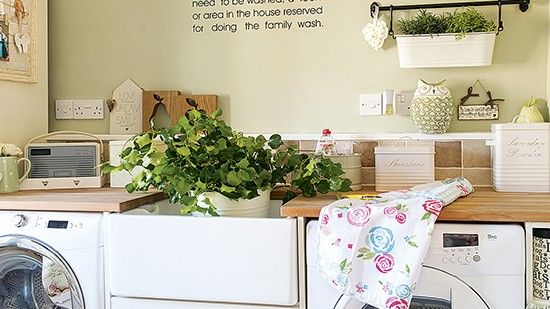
(18, 37)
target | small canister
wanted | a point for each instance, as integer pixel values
(541, 264)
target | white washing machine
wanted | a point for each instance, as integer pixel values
(51, 260)
(474, 266)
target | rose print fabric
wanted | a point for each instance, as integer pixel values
(373, 249)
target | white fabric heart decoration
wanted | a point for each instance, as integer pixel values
(376, 33)
(22, 42)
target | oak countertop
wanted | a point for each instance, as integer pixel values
(77, 200)
(483, 205)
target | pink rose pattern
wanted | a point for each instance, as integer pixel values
(384, 263)
(396, 303)
(359, 215)
(401, 218)
(398, 213)
(379, 250)
(434, 207)
(390, 211)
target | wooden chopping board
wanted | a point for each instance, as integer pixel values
(82, 200)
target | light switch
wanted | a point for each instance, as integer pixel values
(370, 104)
(64, 109)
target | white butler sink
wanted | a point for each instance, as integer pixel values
(165, 256)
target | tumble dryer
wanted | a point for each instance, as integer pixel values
(474, 266)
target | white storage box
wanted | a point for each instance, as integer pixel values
(445, 50)
(521, 157)
(403, 164)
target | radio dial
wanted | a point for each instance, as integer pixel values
(19, 220)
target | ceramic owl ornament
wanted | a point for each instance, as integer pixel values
(432, 107)
(375, 33)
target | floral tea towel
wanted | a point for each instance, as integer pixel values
(373, 250)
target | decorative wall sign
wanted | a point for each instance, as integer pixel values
(18, 36)
(487, 111)
(478, 112)
(127, 107)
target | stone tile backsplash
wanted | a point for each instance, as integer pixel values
(467, 158)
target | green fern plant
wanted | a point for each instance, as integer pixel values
(460, 22)
(468, 21)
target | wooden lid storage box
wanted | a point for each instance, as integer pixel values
(521, 157)
(402, 164)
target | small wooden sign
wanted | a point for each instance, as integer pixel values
(126, 116)
(478, 112)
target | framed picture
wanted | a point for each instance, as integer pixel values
(18, 40)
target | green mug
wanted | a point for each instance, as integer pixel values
(9, 173)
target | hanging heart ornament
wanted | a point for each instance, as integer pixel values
(376, 32)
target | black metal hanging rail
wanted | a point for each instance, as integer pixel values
(376, 7)
(523, 5)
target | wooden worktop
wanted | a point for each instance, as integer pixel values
(81, 200)
(483, 205)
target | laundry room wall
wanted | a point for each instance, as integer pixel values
(23, 106)
(293, 80)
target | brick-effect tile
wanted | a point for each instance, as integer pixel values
(444, 173)
(448, 154)
(478, 176)
(476, 154)
(366, 150)
(367, 176)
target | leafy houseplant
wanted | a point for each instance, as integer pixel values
(203, 154)
(462, 38)
(462, 22)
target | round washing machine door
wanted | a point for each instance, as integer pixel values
(34, 276)
(437, 289)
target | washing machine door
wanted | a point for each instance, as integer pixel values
(437, 289)
(34, 276)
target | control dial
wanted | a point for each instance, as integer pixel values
(19, 220)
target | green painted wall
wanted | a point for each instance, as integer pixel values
(23, 106)
(290, 82)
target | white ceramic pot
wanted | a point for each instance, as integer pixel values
(445, 50)
(257, 207)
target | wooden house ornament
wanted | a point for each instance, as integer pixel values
(126, 113)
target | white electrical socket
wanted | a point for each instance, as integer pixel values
(370, 104)
(64, 109)
(88, 109)
(402, 102)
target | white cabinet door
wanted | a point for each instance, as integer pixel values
(128, 303)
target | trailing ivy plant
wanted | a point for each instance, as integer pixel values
(203, 154)
(460, 22)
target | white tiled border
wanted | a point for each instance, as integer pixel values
(315, 137)
(387, 136)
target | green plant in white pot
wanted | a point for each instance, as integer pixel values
(460, 39)
(207, 167)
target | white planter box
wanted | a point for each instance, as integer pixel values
(399, 166)
(445, 50)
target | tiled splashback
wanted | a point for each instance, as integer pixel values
(467, 158)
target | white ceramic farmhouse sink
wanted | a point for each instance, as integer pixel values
(165, 256)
